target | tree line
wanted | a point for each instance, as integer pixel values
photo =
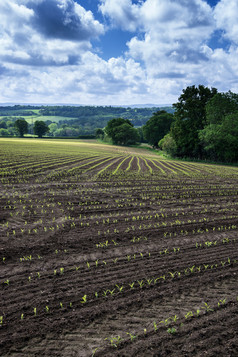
(204, 126)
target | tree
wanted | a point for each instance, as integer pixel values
(221, 105)
(220, 140)
(122, 132)
(190, 117)
(157, 127)
(40, 128)
(21, 127)
(99, 133)
(168, 144)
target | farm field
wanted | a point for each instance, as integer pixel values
(114, 251)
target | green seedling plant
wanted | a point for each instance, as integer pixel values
(172, 330)
(132, 337)
(84, 299)
(114, 340)
(206, 307)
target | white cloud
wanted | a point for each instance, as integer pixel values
(122, 13)
(46, 53)
(226, 15)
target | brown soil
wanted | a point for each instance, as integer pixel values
(154, 257)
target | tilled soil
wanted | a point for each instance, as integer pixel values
(136, 264)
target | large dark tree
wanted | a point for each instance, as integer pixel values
(221, 105)
(21, 127)
(220, 135)
(122, 132)
(40, 128)
(157, 127)
(190, 117)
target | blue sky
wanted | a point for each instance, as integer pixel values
(110, 52)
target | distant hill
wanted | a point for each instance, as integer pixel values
(83, 119)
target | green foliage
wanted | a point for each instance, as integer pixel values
(4, 132)
(168, 144)
(220, 141)
(157, 127)
(40, 128)
(221, 105)
(122, 132)
(190, 117)
(99, 133)
(21, 127)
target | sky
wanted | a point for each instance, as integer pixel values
(115, 52)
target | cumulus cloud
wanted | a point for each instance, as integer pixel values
(122, 13)
(64, 19)
(47, 53)
(226, 15)
(45, 32)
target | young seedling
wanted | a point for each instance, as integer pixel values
(47, 308)
(34, 311)
(221, 302)
(155, 326)
(189, 314)
(132, 337)
(172, 330)
(114, 340)
(120, 288)
(22, 316)
(84, 299)
(132, 285)
(206, 307)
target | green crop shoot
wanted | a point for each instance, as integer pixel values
(3, 259)
(84, 299)
(88, 265)
(155, 326)
(47, 308)
(120, 288)
(61, 305)
(22, 316)
(175, 318)
(1, 320)
(96, 294)
(172, 330)
(206, 307)
(77, 268)
(7, 282)
(114, 340)
(61, 270)
(189, 314)
(141, 283)
(94, 351)
(70, 304)
(132, 337)
(34, 310)
(132, 285)
(149, 281)
(221, 302)
(165, 322)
